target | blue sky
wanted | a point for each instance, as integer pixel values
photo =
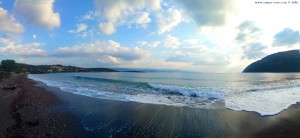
(199, 35)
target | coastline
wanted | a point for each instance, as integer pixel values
(33, 109)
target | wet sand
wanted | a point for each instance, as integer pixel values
(35, 110)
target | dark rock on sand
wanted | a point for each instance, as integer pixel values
(8, 86)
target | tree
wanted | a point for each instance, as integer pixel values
(8, 65)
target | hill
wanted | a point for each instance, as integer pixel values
(59, 68)
(288, 61)
(11, 66)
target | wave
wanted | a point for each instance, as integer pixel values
(187, 91)
(113, 81)
(162, 89)
(272, 88)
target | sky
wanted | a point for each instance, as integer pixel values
(197, 35)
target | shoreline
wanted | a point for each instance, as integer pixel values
(33, 109)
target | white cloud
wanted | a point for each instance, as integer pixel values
(80, 27)
(154, 44)
(88, 16)
(248, 37)
(8, 24)
(6, 41)
(84, 35)
(34, 36)
(142, 18)
(247, 31)
(149, 44)
(171, 42)
(209, 13)
(168, 19)
(10, 47)
(107, 28)
(286, 37)
(272, 18)
(114, 60)
(118, 12)
(191, 41)
(102, 49)
(199, 56)
(254, 50)
(38, 12)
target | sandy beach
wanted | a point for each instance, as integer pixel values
(31, 109)
(26, 111)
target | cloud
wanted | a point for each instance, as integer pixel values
(199, 57)
(6, 40)
(119, 12)
(34, 36)
(286, 37)
(248, 37)
(88, 16)
(191, 41)
(80, 30)
(168, 19)
(247, 30)
(254, 51)
(149, 44)
(8, 24)
(107, 28)
(102, 49)
(114, 60)
(80, 27)
(207, 12)
(38, 12)
(10, 47)
(142, 18)
(171, 42)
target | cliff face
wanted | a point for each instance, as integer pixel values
(288, 61)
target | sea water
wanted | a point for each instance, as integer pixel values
(264, 93)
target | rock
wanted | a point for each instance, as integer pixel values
(9, 86)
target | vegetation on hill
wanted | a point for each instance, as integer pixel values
(12, 66)
(8, 65)
(288, 61)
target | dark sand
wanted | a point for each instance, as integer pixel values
(27, 111)
(41, 111)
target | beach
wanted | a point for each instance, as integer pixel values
(32, 109)
(26, 111)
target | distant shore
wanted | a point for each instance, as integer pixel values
(27, 110)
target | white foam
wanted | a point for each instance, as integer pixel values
(263, 102)
(186, 91)
(172, 100)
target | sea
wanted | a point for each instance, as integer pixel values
(264, 93)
